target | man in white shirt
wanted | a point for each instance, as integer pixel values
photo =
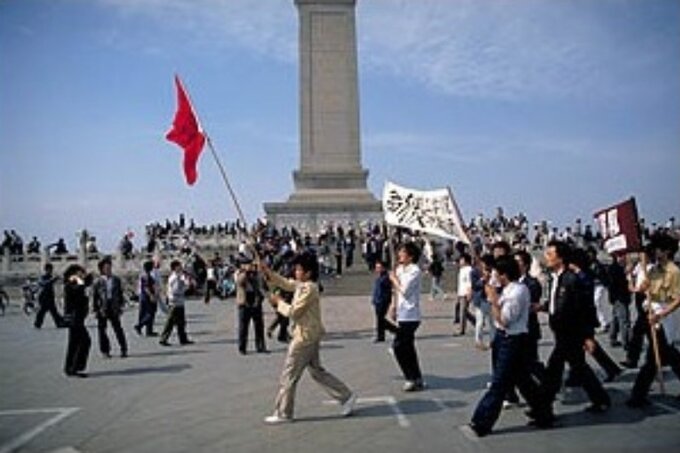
(510, 312)
(406, 282)
(464, 291)
(177, 285)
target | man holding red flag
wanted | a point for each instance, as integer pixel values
(187, 133)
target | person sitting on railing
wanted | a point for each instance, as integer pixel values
(59, 247)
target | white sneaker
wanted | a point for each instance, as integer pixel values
(348, 406)
(275, 419)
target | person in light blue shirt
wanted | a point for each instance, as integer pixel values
(406, 282)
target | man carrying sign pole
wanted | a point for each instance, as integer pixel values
(662, 284)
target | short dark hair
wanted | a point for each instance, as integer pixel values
(502, 245)
(72, 270)
(664, 242)
(175, 264)
(466, 257)
(524, 257)
(580, 258)
(411, 250)
(381, 262)
(488, 259)
(563, 250)
(309, 263)
(506, 265)
(103, 262)
(48, 267)
(148, 266)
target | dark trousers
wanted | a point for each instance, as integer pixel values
(605, 361)
(175, 318)
(461, 313)
(349, 258)
(669, 356)
(246, 313)
(104, 343)
(380, 323)
(638, 332)
(210, 290)
(51, 308)
(282, 323)
(77, 349)
(620, 323)
(405, 350)
(147, 315)
(338, 264)
(571, 351)
(511, 368)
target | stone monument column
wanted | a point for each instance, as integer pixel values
(330, 185)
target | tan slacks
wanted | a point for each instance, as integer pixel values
(301, 356)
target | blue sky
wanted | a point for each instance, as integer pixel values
(554, 108)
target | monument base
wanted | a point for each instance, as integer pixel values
(311, 211)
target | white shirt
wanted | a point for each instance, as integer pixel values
(553, 291)
(514, 302)
(176, 288)
(464, 280)
(408, 299)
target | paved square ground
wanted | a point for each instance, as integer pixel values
(207, 397)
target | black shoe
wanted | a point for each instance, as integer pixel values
(379, 340)
(242, 351)
(598, 408)
(152, 334)
(123, 354)
(185, 342)
(480, 432)
(263, 351)
(637, 403)
(628, 364)
(163, 343)
(543, 423)
(138, 329)
(612, 377)
(532, 414)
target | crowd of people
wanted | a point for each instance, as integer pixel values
(501, 289)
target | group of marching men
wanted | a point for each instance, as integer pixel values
(514, 298)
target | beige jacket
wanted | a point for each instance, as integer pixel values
(304, 310)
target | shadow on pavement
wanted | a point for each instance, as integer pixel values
(166, 352)
(475, 383)
(142, 370)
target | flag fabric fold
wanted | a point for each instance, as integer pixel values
(433, 211)
(186, 132)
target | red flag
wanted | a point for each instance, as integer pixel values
(187, 133)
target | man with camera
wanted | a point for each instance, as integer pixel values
(249, 296)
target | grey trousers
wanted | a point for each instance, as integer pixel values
(301, 356)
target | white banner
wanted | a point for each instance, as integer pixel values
(433, 211)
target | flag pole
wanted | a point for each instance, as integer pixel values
(239, 211)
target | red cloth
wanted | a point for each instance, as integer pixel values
(187, 133)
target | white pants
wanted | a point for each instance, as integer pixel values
(602, 305)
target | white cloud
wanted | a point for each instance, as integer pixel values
(496, 49)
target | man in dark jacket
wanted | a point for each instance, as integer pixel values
(570, 325)
(46, 299)
(382, 297)
(108, 303)
(76, 308)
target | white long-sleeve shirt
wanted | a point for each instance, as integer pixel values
(515, 301)
(176, 288)
(408, 299)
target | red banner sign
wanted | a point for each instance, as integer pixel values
(620, 227)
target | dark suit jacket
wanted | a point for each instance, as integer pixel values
(382, 291)
(100, 303)
(570, 321)
(535, 292)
